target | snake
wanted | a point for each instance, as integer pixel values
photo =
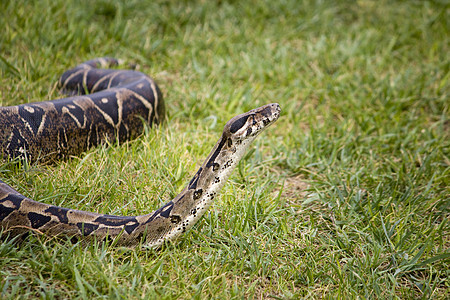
(111, 105)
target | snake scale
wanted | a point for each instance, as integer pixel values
(111, 105)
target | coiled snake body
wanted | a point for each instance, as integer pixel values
(120, 101)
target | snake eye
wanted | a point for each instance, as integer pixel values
(229, 142)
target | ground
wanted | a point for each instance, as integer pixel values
(346, 196)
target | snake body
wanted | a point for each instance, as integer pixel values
(19, 214)
(119, 104)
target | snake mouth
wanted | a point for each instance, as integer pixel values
(268, 114)
(276, 111)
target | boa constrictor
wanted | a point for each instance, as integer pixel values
(120, 100)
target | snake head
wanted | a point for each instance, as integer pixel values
(250, 124)
(238, 134)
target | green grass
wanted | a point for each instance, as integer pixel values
(346, 196)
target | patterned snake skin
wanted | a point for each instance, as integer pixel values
(47, 131)
(119, 104)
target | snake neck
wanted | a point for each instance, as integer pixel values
(195, 199)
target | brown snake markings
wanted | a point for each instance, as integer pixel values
(118, 102)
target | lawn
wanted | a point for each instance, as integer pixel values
(346, 196)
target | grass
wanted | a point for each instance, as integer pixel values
(346, 196)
